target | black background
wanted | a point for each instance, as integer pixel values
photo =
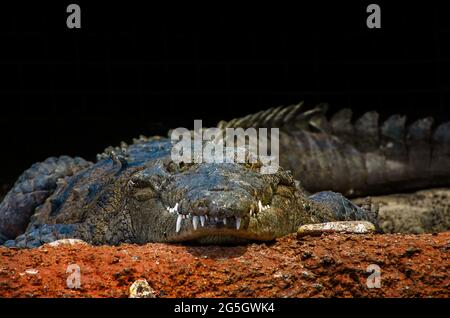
(134, 69)
(347, 308)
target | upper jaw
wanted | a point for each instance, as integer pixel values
(201, 220)
(212, 231)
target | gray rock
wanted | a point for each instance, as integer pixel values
(353, 227)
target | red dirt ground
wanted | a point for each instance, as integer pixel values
(333, 265)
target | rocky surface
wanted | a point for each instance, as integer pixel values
(332, 265)
(424, 211)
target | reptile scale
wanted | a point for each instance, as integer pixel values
(137, 194)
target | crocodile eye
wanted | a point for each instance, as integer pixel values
(148, 182)
(138, 181)
(174, 167)
(141, 188)
(144, 194)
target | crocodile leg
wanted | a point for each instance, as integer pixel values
(47, 233)
(31, 190)
(344, 209)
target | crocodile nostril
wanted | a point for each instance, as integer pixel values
(220, 188)
(214, 210)
(201, 210)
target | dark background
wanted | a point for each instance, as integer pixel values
(134, 70)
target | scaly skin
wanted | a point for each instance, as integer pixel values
(357, 158)
(137, 194)
(132, 198)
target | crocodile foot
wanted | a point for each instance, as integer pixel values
(44, 234)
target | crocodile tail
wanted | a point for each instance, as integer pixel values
(440, 151)
(356, 157)
(31, 189)
(395, 156)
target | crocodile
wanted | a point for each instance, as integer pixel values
(137, 194)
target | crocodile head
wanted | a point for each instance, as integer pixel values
(210, 202)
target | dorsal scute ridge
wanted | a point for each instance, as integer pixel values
(280, 117)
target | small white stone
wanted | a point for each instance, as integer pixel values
(141, 289)
(352, 227)
(67, 242)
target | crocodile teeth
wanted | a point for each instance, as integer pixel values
(262, 207)
(179, 219)
(225, 221)
(174, 209)
(202, 220)
(238, 223)
(195, 222)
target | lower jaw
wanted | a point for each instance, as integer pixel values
(221, 236)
